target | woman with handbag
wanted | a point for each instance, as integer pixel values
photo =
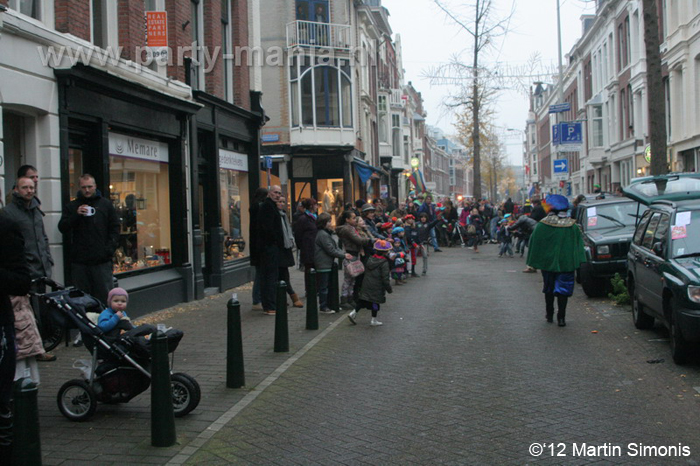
(325, 253)
(354, 243)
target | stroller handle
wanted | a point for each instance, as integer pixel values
(55, 286)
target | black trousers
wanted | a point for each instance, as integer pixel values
(95, 280)
(561, 305)
(269, 276)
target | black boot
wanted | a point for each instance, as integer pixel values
(561, 314)
(549, 303)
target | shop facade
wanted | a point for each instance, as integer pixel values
(133, 140)
(225, 174)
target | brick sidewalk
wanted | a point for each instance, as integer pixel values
(120, 434)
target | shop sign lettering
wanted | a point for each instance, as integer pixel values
(122, 145)
(233, 160)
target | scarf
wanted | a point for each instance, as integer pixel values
(311, 214)
(286, 231)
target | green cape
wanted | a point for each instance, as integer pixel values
(556, 245)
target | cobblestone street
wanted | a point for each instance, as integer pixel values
(465, 370)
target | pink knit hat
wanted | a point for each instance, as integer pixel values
(116, 292)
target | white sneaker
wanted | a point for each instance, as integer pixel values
(352, 316)
(375, 323)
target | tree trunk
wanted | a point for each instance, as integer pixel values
(476, 104)
(655, 90)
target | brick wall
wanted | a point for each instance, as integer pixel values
(179, 13)
(214, 79)
(241, 72)
(131, 27)
(73, 16)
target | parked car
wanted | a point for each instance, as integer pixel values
(607, 225)
(663, 276)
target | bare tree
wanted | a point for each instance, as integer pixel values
(655, 91)
(483, 30)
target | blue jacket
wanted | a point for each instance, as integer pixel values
(108, 320)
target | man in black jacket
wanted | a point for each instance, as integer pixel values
(271, 245)
(91, 223)
(14, 280)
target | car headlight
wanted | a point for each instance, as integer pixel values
(694, 293)
(602, 250)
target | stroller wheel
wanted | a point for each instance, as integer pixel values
(76, 400)
(186, 393)
(51, 334)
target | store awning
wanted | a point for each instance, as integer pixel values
(364, 170)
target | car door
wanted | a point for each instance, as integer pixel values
(643, 253)
(655, 260)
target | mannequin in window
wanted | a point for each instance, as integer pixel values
(338, 207)
(328, 200)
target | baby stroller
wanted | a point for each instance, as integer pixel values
(120, 367)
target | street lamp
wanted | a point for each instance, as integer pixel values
(415, 162)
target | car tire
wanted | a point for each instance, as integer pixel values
(641, 319)
(680, 348)
(593, 287)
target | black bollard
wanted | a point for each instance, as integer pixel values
(281, 323)
(235, 372)
(162, 414)
(311, 303)
(333, 289)
(27, 444)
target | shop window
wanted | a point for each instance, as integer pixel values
(330, 197)
(233, 185)
(140, 191)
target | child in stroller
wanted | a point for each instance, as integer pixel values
(121, 362)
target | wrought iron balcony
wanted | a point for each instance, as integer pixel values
(319, 35)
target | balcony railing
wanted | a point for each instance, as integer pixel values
(318, 35)
(396, 99)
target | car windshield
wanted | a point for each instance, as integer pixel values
(685, 234)
(618, 215)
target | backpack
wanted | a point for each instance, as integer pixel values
(471, 229)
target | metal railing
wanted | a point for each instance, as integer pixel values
(396, 99)
(318, 35)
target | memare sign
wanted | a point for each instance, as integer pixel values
(122, 145)
(233, 160)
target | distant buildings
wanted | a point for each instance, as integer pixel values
(605, 85)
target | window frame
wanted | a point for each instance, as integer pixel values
(299, 78)
(227, 49)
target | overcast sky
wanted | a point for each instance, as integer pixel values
(429, 39)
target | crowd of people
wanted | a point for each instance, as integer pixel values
(377, 242)
(383, 244)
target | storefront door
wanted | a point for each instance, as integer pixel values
(207, 207)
